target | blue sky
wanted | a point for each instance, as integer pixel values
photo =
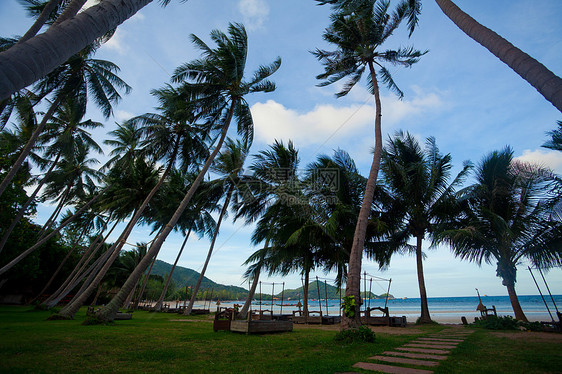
(459, 93)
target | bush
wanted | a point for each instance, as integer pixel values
(506, 323)
(362, 334)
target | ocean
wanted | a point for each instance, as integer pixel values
(442, 309)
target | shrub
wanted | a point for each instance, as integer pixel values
(362, 334)
(506, 323)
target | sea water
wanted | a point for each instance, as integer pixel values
(442, 309)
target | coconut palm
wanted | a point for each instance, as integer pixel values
(555, 141)
(229, 165)
(215, 84)
(358, 37)
(274, 171)
(509, 217)
(418, 183)
(80, 75)
(536, 74)
(18, 67)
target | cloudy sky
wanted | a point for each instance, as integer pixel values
(459, 93)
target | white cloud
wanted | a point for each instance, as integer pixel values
(550, 159)
(121, 115)
(327, 122)
(116, 42)
(255, 13)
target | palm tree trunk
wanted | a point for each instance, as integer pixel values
(81, 265)
(30, 143)
(70, 11)
(27, 62)
(210, 252)
(73, 307)
(144, 282)
(305, 295)
(52, 219)
(31, 249)
(108, 312)
(519, 315)
(354, 272)
(244, 312)
(158, 305)
(425, 317)
(90, 273)
(536, 74)
(27, 203)
(246, 308)
(74, 246)
(40, 21)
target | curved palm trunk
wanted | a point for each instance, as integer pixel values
(108, 312)
(27, 203)
(519, 315)
(424, 317)
(80, 267)
(158, 305)
(30, 143)
(70, 11)
(52, 219)
(27, 62)
(354, 272)
(145, 281)
(40, 21)
(536, 74)
(243, 314)
(73, 307)
(244, 311)
(12, 263)
(213, 241)
(74, 246)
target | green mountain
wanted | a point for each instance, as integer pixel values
(326, 290)
(187, 277)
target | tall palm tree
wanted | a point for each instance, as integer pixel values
(18, 67)
(358, 37)
(80, 75)
(417, 181)
(536, 74)
(229, 164)
(509, 216)
(215, 84)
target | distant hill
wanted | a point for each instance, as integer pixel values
(187, 277)
(325, 289)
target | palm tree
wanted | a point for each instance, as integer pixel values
(80, 75)
(358, 36)
(215, 84)
(509, 215)
(229, 164)
(536, 74)
(555, 141)
(18, 67)
(274, 171)
(417, 181)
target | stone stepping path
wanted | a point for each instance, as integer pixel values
(423, 352)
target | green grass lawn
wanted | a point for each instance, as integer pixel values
(154, 342)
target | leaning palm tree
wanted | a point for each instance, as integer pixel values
(417, 182)
(18, 67)
(215, 84)
(81, 78)
(358, 37)
(509, 216)
(229, 164)
(536, 74)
